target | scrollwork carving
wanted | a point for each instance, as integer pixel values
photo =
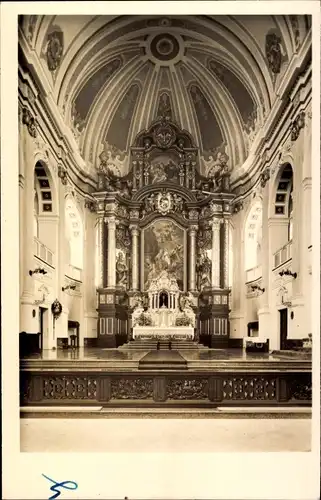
(297, 125)
(193, 214)
(122, 212)
(62, 174)
(135, 388)
(187, 389)
(164, 135)
(123, 238)
(29, 120)
(265, 177)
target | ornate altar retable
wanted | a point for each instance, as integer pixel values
(169, 314)
(163, 234)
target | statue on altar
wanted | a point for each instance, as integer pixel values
(204, 269)
(121, 270)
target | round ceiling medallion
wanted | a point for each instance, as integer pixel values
(164, 47)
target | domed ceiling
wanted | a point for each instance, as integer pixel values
(216, 77)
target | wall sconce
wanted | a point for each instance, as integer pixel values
(258, 288)
(288, 273)
(38, 270)
(69, 287)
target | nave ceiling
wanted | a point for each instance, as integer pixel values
(216, 76)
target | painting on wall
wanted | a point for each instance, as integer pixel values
(164, 251)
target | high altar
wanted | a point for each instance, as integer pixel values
(166, 312)
(163, 240)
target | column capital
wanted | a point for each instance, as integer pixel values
(111, 221)
(216, 223)
(193, 228)
(134, 229)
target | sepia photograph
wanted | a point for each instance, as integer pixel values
(165, 207)
(166, 239)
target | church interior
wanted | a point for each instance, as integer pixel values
(165, 187)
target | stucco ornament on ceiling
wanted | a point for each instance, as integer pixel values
(54, 49)
(274, 51)
(215, 76)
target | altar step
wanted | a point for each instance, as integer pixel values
(144, 345)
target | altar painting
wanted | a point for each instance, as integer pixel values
(164, 251)
(164, 169)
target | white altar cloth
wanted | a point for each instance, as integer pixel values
(159, 333)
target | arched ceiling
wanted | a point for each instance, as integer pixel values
(213, 75)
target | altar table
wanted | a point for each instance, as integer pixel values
(160, 333)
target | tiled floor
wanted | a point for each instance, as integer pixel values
(158, 435)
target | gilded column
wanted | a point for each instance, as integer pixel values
(111, 269)
(135, 262)
(216, 252)
(192, 258)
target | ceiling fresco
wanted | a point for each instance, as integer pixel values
(215, 76)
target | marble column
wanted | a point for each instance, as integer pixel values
(111, 269)
(135, 262)
(226, 229)
(100, 250)
(192, 258)
(216, 253)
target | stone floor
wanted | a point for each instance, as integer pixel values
(169, 435)
(133, 355)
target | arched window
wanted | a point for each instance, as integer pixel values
(283, 208)
(253, 237)
(74, 233)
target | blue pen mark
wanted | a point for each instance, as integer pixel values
(68, 485)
